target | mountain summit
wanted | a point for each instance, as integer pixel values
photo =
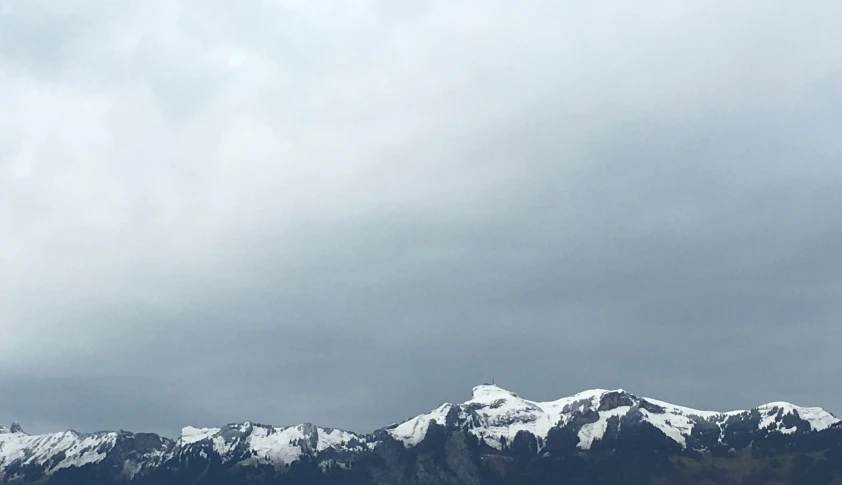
(496, 415)
(494, 437)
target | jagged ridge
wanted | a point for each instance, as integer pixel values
(495, 416)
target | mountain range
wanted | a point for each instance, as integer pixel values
(496, 437)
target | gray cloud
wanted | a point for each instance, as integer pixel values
(284, 212)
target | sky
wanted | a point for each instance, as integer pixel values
(348, 213)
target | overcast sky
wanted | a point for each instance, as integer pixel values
(350, 212)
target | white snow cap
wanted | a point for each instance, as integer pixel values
(488, 392)
(493, 414)
(271, 444)
(496, 415)
(75, 449)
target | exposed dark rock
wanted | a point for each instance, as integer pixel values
(628, 445)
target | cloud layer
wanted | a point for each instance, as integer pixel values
(289, 211)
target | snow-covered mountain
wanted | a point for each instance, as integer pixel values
(239, 444)
(496, 416)
(590, 422)
(22, 454)
(249, 443)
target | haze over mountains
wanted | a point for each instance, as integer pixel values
(494, 437)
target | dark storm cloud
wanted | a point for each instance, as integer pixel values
(284, 213)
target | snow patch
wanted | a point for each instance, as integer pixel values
(818, 418)
(276, 445)
(676, 426)
(596, 431)
(190, 435)
(76, 449)
(334, 438)
(413, 431)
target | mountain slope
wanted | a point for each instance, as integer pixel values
(26, 456)
(494, 437)
(496, 415)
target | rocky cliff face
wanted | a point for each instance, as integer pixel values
(496, 437)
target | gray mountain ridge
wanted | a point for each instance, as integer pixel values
(491, 438)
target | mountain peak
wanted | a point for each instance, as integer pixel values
(506, 428)
(818, 418)
(591, 421)
(13, 429)
(491, 392)
(496, 415)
